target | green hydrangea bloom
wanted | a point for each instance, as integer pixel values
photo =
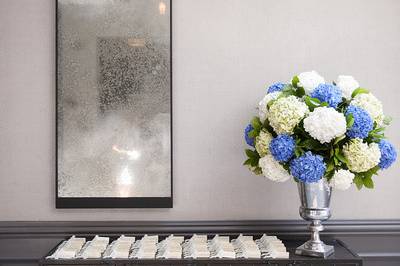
(360, 156)
(286, 113)
(262, 142)
(371, 104)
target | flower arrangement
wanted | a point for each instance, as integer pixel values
(308, 130)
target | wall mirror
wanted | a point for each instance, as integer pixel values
(114, 104)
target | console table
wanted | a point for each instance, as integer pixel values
(375, 242)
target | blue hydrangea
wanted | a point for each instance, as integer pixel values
(308, 168)
(276, 87)
(328, 93)
(388, 154)
(249, 141)
(362, 125)
(282, 147)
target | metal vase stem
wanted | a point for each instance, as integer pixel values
(315, 200)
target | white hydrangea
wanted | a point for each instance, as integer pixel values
(347, 85)
(262, 106)
(342, 179)
(360, 156)
(285, 113)
(309, 81)
(324, 124)
(272, 170)
(262, 142)
(371, 104)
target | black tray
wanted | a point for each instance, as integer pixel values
(343, 256)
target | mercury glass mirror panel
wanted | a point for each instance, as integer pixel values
(114, 103)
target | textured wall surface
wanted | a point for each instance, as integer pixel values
(224, 54)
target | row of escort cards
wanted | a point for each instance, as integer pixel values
(172, 247)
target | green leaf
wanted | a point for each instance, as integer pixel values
(376, 135)
(368, 182)
(257, 170)
(349, 120)
(343, 105)
(358, 181)
(287, 91)
(268, 127)
(359, 91)
(254, 161)
(312, 144)
(300, 92)
(378, 131)
(298, 151)
(324, 104)
(300, 132)
(371, 172)
(256, 123)
(338, 139)
(329, 175)
(286, 166)
(249, 153)
(252, 154)
(375, 169)
(254, 133)
(312, 102)
(288, 87)
(295, 81)
(270, 103)
(335, 160)
(341, 158)
(247, 162)
(337, 151)
(330, 166)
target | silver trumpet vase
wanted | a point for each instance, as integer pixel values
(315, 199)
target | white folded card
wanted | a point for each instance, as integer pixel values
(120, 248)
(68, 249)
(245, 247)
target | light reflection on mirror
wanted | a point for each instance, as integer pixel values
(125, 178)
(162, 7)
(132, 154)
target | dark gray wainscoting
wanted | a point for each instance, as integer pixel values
(280, 227)
(377, 241)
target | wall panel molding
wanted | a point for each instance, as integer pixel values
(281, 227)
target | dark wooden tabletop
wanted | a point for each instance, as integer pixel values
(25, 249)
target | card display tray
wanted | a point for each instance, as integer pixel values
(343, 256)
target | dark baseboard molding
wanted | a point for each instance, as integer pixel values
(280, 227)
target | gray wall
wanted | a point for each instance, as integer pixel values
(225, 52)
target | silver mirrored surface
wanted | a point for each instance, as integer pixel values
(113, 98)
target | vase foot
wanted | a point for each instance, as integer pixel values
(315, 249)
